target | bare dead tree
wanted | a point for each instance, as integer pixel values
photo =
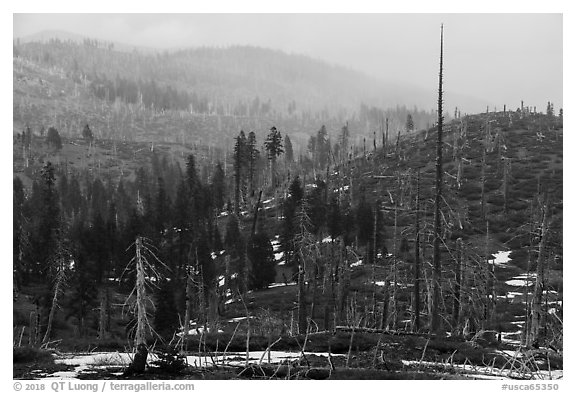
(507, 173)
(537, 311)
(483, 176)
(435, 322)
(307, 251)
(59, 285)
(457, 286)
(104, 314)
(417, 257)
(139, 300)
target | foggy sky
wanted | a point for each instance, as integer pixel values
(499, 58)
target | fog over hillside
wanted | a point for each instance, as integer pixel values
(293, 75)
(489, 56)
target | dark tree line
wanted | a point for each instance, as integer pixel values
(89, 222)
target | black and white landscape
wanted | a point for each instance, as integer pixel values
(243, 196)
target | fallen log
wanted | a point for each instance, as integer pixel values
(348, 329)
(283, 371)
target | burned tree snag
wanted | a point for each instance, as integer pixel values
(435, 323)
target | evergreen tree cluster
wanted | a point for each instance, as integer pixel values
(96, 219)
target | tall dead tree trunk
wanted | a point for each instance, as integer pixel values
(302, 317)
(457, 286)
(104, 316)
(491, 278)
(141, 318)
(188, 305)
(507, 171)
(202, 309)
(386, 146)
(314, 293)
(435, 322)
(537, 311)
(483, 184)
(528, 308)
(374, 258)
(395, 259)
(343, 283)
(255, 220)
(58, 288)
(417, 258)
(383, 135)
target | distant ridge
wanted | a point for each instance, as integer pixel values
(47, 35)
(324, 83)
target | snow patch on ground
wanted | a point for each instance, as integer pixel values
(255, 357)
(199, 331)
(522, 280)
(501, 258)
(485, 372)
(345, 188)
(358, 263)
(84, 363)
(512, 337)
(518, 283)
(280, 284)
(237, 319)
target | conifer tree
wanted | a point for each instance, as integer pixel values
(165, 315)
(19, 233)
(261, 256)
(364, 221)
(334, 218)
(87, 133)
(274, 148)
(316, 207)
(344, 142)
(218, 187)
(239, 165)
(53, 139)
(289, 157)
(409, 123)
(49, 221)
(235, 247)
(289, 224)
(252, 154)
(181, 213)
(162, 206)
(322, 148)
(197, 199)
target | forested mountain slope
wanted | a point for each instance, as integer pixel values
(187, 94)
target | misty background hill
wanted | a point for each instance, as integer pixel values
(232, 77)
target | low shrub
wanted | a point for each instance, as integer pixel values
(471, 191)
(31, 355)
(492, 184)
(518, 205)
